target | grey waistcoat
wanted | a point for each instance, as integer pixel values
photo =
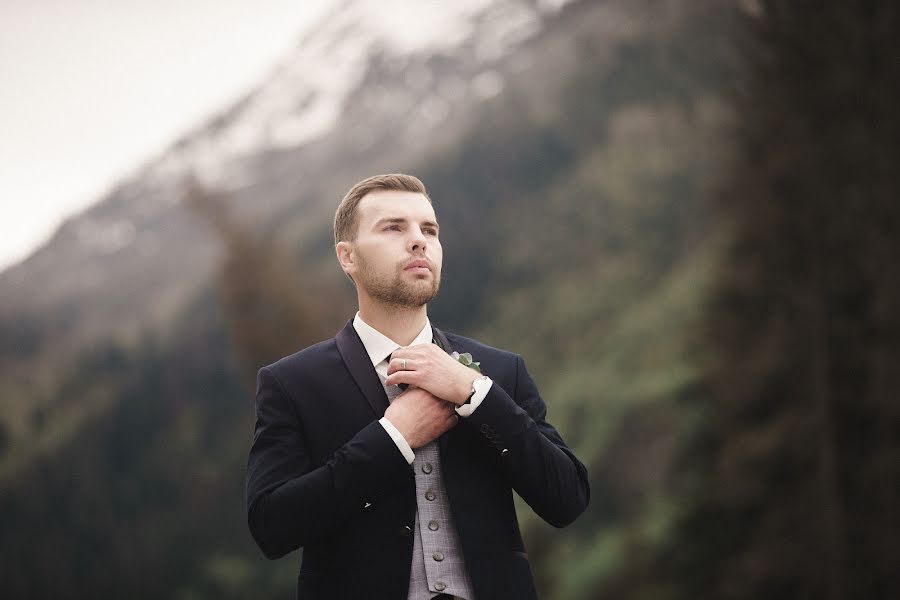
(437, 561)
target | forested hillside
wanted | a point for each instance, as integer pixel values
(799, 451)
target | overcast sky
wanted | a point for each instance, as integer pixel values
(91, 89)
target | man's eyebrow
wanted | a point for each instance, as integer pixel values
(390, 220)
(385, 220)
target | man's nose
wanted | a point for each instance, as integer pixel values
(417, 242)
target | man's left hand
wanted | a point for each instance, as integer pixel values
(430, 368)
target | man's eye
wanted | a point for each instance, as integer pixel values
(430, 231)
(392, 228)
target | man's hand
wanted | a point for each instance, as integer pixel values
(420, 417)
(428, 367)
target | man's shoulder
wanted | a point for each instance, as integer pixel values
(309, 359)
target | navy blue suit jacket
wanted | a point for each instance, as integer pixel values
(324, 475)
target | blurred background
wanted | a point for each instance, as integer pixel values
(683, 213)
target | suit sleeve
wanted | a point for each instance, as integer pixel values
(541, 468)
(290, 503)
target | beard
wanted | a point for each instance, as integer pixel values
(396, 291)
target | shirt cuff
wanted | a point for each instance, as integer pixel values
(481, 390)
(399, 440)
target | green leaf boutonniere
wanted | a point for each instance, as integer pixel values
(466, 359)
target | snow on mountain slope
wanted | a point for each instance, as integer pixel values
(366, 71)
(305, 95)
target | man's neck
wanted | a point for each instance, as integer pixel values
(399, 324)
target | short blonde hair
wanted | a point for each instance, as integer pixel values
(346, 221)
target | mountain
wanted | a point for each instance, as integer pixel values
(315, 109)
(568, 147)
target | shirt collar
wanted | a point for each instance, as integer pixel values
(378, 346)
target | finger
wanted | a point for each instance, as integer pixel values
(399, 364)
(397, 377)
(403, 364)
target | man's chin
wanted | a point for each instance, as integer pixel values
(407, 294)
(422, 297)
(421, 292)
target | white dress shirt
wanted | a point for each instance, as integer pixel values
(379, 347)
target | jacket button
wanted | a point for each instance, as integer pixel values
(426, 468)
(438, 556)
(485, 428)
(433, 525)
(440, 586)
(405, 531)
(430, 496)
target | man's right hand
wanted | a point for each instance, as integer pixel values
(420, 416)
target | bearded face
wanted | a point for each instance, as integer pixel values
(395, 259)
(393, 286)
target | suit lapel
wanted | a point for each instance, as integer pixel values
(441, 340)
(360, 366)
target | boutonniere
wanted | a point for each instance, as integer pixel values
(466, 359)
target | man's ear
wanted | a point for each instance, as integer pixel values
(346, 257)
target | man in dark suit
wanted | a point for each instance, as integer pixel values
(382, 455)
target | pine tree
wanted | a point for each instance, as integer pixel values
(272, 307)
